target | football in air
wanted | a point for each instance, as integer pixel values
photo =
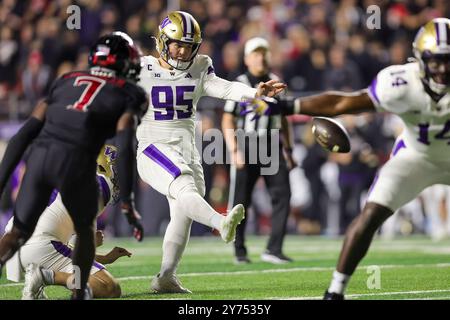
(330, 135)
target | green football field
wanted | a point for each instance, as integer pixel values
(407, 268)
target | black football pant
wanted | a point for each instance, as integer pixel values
(69, 170)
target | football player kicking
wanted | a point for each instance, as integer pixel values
(167, 157)
(67, 132)
(46, 255)
(419, 93)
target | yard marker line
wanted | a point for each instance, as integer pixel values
(248, 272)
(232, 273)
(366, 294)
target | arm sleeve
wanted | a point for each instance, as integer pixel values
(124, 143)
(388, 89)
(214, 86)
(16, 148)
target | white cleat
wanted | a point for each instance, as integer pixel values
(34, 283)
(169, 284)
(230, 223)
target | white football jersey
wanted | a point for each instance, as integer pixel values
(55, 221)
(398, 89)
(173, 97)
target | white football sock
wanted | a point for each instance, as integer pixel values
(194, 206)
(339, 282)
(175, 239)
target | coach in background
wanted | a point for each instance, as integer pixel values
(244, 174)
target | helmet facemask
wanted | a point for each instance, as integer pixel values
(431, 48)
(437, 73)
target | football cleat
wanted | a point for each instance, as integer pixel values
(168, 284)
(34, 283)
(275, 258)
(230, 223)
(333, 296)
(242, 260)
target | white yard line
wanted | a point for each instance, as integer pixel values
(249, 272)
(369, 295)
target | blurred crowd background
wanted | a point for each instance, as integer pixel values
(315, 46)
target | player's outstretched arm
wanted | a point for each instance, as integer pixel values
(112, 256)
(125, 162)
(20, 141)
(331, 104)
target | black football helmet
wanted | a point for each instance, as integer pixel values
(116, 51)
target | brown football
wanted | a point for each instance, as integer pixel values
(331, 135)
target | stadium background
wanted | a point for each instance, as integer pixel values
(315, 45)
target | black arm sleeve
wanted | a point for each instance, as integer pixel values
(285, 106)
(124, 143)
(16, 147)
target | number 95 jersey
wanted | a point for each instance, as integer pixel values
(173, 99)
(398, 89)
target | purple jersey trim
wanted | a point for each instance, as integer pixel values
(67, 252)
(53, 197)
(153, 153)
(398, 146)
(373, 90)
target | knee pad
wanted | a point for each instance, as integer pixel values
(184, 183)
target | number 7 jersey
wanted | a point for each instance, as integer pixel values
(398, 89)
(174, 95)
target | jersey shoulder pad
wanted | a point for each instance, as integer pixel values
(204, 63)
(391, 87)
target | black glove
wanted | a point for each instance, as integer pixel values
(133, 219)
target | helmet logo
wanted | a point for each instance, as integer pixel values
(111, 153)
(165, 22)
(101, 49)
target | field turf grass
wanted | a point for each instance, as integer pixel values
(410, 268)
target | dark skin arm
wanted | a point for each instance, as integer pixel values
(333, 103)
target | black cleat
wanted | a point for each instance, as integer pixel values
(332, 296)
(242, 260)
